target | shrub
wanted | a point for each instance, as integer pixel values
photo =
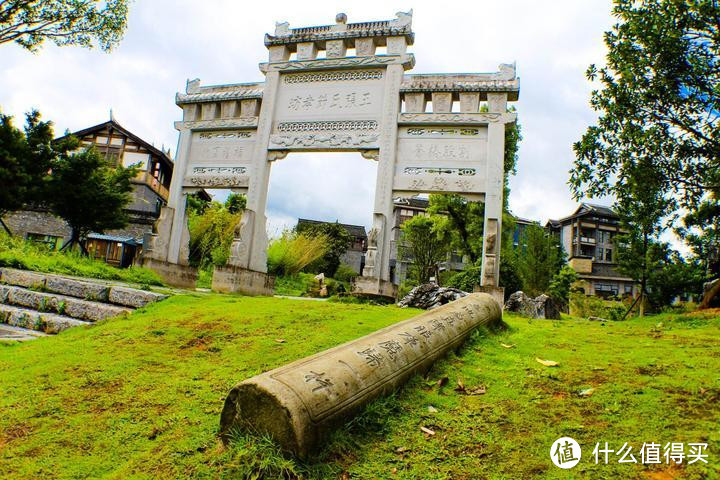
(465, 280)
(291, 252)
(561, 284)
(211, 234)
(345, 273)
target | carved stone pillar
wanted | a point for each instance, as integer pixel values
(254, 256)
(494, 197)
(383, 210)
(177, 199)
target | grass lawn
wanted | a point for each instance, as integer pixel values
(140, 397)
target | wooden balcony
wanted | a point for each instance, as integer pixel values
(152, 182)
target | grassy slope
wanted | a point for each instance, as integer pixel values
(16, 252)
(141, 397)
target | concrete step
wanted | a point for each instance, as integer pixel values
(16, 334)
(34, 320)
(97, 291)
(61, 304)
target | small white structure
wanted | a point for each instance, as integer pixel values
(352, 99)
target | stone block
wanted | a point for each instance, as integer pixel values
(181, 276)
(415, 102)
(77, 288)
(301, 403)
(22, 278)
(373, 286)
(132, 297)
(335, 49)
(442, 102)
(469, 102)
(364, 47)
(249, 107)
(232, 279)
(65, 305)
(33, 320)
(498, 293)
(307, 51)
(396, 45)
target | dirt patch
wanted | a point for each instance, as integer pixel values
(670, 473)
(14, 432)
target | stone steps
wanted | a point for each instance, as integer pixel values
(33, 303)
(17, 334)
(34, 320)
(62, 304)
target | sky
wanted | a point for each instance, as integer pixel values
(221, 41)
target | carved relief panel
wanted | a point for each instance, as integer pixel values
(328, 109)
(220, 159)
(447, 159)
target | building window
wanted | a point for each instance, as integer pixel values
(52, 242)
(608, 255)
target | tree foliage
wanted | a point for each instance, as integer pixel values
(425, 245)
(538, 259)
(337, 242)
(561, 285)
(236, 202)
(659, 101)
(25, 160)
(461, 221)
(86, 23)
(87, 192)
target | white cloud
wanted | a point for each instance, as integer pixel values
(169, 41)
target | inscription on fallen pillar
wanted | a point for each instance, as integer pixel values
(298, 404)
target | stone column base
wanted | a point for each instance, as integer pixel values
(373, 286)
(181, 276)
(498, 293)
(232, 279)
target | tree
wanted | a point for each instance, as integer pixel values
(425, 245)
(64, 22)
(87, 192)
(673, 276)
(461, 221)
(701, 230)
(641, 208)
(196, 205)
(659, 100)
(25, 159)
(337, 240)
(236, 202)
(538, 260)
(561, 285)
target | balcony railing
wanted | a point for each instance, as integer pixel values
(152, 182)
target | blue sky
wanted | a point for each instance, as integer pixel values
(221, 41)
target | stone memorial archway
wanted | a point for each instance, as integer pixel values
(363, 101)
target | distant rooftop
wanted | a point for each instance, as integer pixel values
(353, 230)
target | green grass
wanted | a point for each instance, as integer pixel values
(140, 397)
(294, 285)
(16, 252)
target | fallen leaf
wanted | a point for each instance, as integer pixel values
(507, 346)
(443, 381)
(587, 392)
(402, 450)
(280, 340)
(427, 430)
(477, 391)
(393, 471)
(432, 409)
(460, 387)
(547, 363)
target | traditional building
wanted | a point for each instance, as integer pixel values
(587, 237)
(150, 193)
(354, 255)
